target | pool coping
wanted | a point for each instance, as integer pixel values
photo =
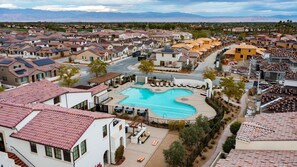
(195, 100)
(178, 99)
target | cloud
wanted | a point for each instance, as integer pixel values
(8, 6)
(99, 8)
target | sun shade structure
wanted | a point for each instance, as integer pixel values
(104, 78)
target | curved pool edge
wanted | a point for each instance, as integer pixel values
(195, 100)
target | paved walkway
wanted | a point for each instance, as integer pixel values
(226, 133)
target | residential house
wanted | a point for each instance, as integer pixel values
(87, 56)
(168, 59)
(18, 71)
(265, 140)
(36, 31)
(244, 52)
(44, 135)
(46, 92)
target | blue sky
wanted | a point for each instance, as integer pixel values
(200, 7)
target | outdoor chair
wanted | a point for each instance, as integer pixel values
(157, 84)
(140, 159)
(155, 142)
(167, 84)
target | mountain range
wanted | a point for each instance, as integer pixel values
(32, 15)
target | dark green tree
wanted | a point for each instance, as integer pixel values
(175, 155)
(234, 128)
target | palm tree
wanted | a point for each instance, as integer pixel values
(146, 67)
(98, 67)
(67, 74)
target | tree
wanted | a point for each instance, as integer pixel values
(190, 136)
(2, 89)
(119, 153)
(175, 155)
(98, 67)
(203, 123)
(229, 144)
(146, 67)
(209, 73)
(234, 128)
(231, 88)
(240, 89)
(67, 73)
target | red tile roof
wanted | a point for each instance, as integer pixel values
(57, 127)
(98, 89)
(254, 158)
(270, 127)
(35, 92)
(11, 115)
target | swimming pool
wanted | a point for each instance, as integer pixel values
(162, 104)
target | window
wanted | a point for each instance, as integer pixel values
(57, 100)
(58, 153)
(249, 50)
(75, 153)
(162, 54)
(48, 151)
(83, 147)
(4, 78)
(16, 80)
(120, 127)
(173, 55)
(24, 79)
(104, 128)
(33, 147)
(83, 105)
(241, 56)
(66, 155)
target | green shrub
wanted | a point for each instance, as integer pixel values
(181, 124)
(125, 116)
(235, 127)
(229, 144)
(119, 153)
(172, 125)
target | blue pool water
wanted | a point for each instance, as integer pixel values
(162, 104)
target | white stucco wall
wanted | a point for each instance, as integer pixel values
(69, 100)
(116, 134)
(38, 159)
(266, 145)
(5, 161)
(101, 96)
(72, 99)
(96, 144)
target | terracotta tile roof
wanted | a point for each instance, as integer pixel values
(34, 92)
(98, 88)
(11, 115)
(183, 59)
(270, 127)
(56, 126)
(253, 158)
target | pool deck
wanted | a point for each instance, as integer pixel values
(146, 150)
(196, 100)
